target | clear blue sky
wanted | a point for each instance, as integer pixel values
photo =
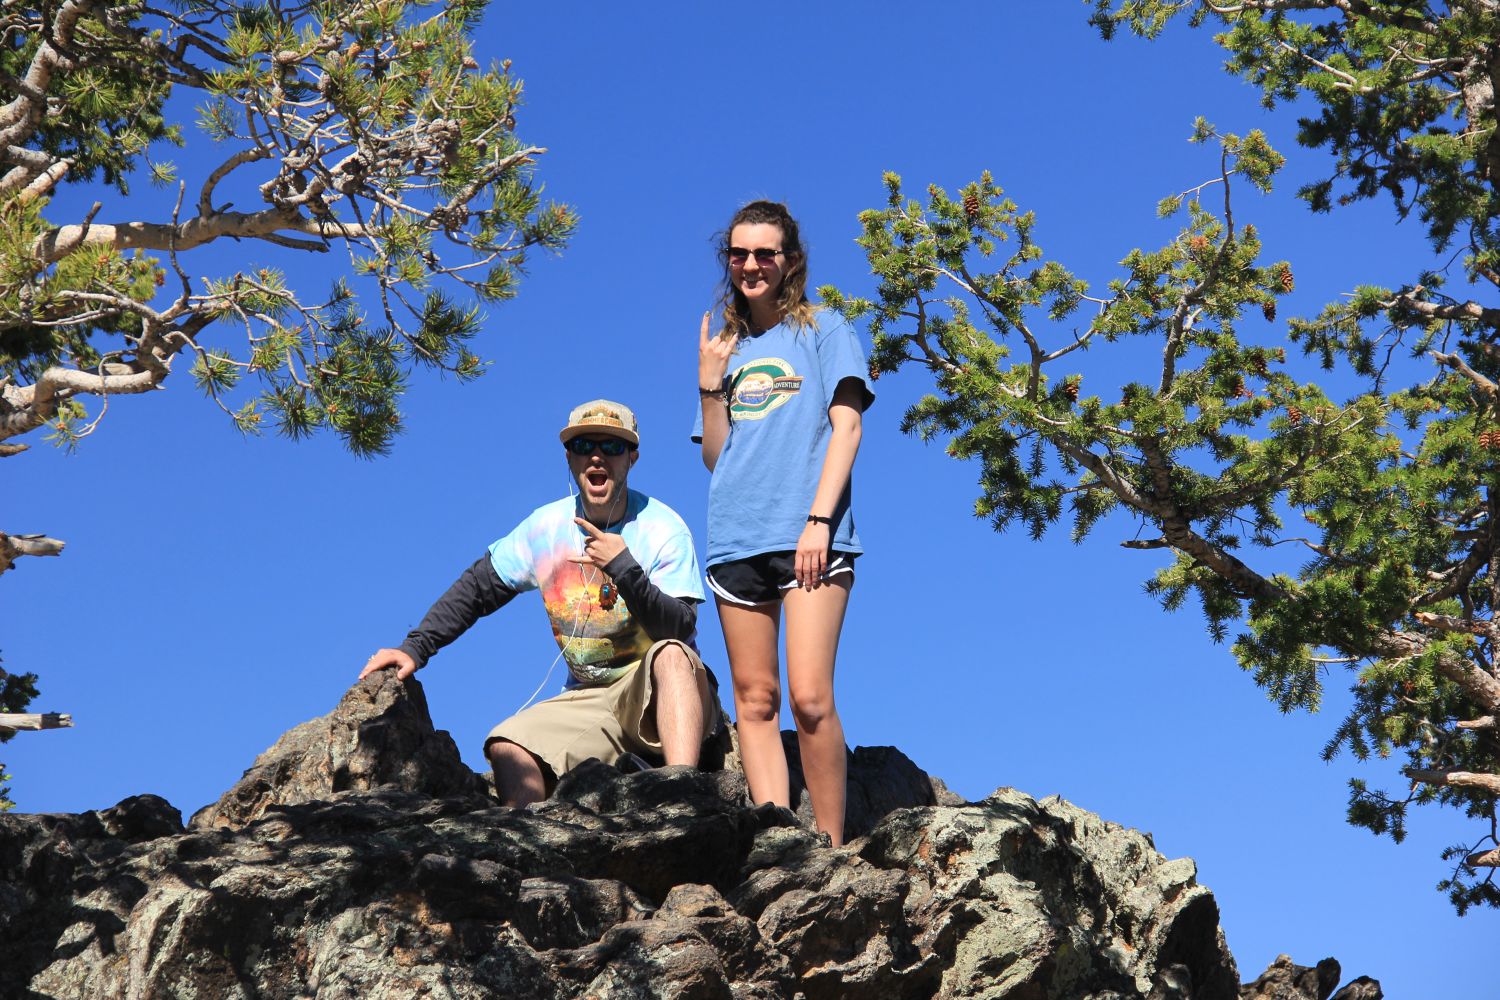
(217, 591)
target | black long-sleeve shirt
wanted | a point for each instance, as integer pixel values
(479, 591)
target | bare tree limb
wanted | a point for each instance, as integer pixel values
(10, 722)
(194, 232)
(13, 547)
(1448, 623)
(1484, 385)
(1455, 779)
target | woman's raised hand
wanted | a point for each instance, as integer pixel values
(713, 357)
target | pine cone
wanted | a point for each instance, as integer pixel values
(1261, 368)
(1287, 281)
(874, 373)
(971, 205)
(1198, 242)
(1070, 389)
(1268, 310)
(1294, 414)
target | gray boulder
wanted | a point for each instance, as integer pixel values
(380, 735)
(357, 858)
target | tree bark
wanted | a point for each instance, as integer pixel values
(26, 720)
(12, 546)
(1456, 779)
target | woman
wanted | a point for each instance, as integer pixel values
(780, 429)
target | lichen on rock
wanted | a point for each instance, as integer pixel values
(358, 857)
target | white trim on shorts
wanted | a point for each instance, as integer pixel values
(833, 569)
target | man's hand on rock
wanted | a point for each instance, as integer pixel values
(384, 658)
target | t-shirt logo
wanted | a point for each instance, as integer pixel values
(760, 387)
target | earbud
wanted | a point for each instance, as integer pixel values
(579, 619)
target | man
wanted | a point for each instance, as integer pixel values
(619, 579)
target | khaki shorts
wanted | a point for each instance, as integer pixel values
(601, 722)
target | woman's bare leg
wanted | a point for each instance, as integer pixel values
(814, 619)
(750, 636)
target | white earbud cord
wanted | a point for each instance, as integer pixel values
(578, 616)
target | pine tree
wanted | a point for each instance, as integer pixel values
(16, 692)
(361, 127)
(1215, 446)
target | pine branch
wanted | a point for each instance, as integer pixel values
(1178, 531)
(1487, 388)
(1480, 686)
(195, 232)
(1469, 626)
(1455, 779)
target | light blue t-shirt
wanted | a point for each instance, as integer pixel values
(600, 645)
(781, 383)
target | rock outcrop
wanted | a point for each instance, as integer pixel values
(1285, 980)
(379, 736)
(360, 858)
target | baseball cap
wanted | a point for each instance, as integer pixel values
(601, 416)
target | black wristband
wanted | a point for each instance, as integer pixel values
(815, 519)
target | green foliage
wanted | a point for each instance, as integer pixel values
(1403, 97)
(367, 123)
(1217, 446)
(114, 109)
(1402, 94)
(16, 692)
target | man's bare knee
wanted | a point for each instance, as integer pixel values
(514, 762)
(671, 661)
(503, 751)
(520, 778)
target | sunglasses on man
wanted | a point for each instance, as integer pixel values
(582, 446)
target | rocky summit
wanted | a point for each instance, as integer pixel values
(359, 857)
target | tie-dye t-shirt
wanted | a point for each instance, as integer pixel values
(600, 645)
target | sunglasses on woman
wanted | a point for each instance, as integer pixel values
(613, 447)
(765, 256)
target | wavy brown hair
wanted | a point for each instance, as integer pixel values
(792, 297)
